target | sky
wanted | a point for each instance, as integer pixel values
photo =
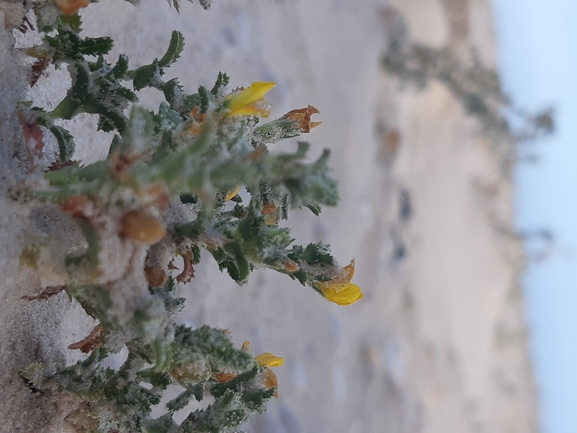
(538, 66)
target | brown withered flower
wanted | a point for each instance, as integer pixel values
(142, 227)
(197, 121)
(224, 377)
(303, 117)
(70, 7)
(271, 214)
(155, 276)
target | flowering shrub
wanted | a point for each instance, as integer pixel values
(170, 187)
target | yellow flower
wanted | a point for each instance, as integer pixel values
(341, 294)
(340, 290)
(250, 101)
(267, 359)
(232, 193)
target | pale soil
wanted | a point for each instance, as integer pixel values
(439, 343)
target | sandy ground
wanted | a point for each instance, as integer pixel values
(439, 343)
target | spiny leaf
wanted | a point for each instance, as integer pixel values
(221, 81)
(96, 46)
(120, 70)
(145, 76)
(65, 142)
(174, 50)
(227, 412)
(205, 98)
(180, 401)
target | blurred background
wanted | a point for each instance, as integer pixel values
(454, 203)
(538, 66)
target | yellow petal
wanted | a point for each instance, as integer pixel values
(267, 359)
(230, 194)
(259, 108)
(247, 96)
(341, 294)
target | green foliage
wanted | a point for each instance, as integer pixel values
(190, 358)
(149, 75)
(188, 160)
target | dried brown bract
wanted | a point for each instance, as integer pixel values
(303, 117)
(91, 342)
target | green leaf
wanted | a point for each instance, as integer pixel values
(163, 424)
(211, 345)
(314, 208)
(71, 22)
(256, 400)
(120, 70)
(206, 4)
(115, 145)
(174, 50)
(173, 93)
(198, 391)
(195, 254)
(242, 264)
(139, 130)
(180, 401)
(314, 254)
(158, 379)
(65, 142)
(227, 412)
(67, 109)
(236, 384)
(96, 46)
(146, 76)
(205, 98)
(221, 81)
(109, 119)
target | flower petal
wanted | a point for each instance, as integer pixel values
(267, 359)
(247, 96)
(341, 294)
(259, 108)
(232, 193)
